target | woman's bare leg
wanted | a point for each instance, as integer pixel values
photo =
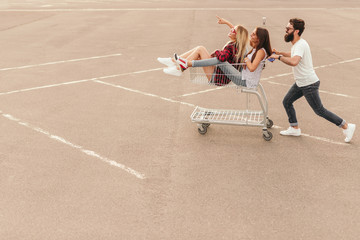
(200, 53)
(197, 53)
(188, 53)
(209, 71)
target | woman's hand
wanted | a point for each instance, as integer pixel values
(245, 62)
(224, 21)
(221, 20)
(274, 56)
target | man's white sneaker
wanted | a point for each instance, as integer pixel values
(291, 132)
(167, 61)
(173, 71)
(349, 132)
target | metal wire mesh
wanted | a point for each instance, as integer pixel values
(224, 75)
(234, 117)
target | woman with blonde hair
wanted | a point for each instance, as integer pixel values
(233, 52)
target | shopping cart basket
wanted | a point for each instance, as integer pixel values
(206, 116)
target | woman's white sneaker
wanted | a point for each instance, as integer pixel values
(291, 132)
(173, 71)
(181, 61)
(166, 61)
(349, 132)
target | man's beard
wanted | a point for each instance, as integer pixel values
(289, 37)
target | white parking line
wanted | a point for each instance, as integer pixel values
(322, 91)
(62, 61)
(43, 87)
(177, 9)
(145, 93)
(75, 146)
(77, 81)
(325, 140)
(199, 92)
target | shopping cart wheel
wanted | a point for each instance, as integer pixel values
(205, 125)
(267, 135)
(269, 123)
(202, 130)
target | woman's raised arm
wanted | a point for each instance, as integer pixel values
(224, 21)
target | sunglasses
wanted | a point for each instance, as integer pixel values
(233, 30)
(287, 29)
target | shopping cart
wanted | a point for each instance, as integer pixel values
(205, 116)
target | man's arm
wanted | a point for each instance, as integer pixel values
(285, 54)
(287, 59)
(292, 61)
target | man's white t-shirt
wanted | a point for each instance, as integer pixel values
(304, 72)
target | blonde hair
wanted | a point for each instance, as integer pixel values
(242, 38)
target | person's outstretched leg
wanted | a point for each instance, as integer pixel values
(208, 65)
(228, 70)
(170, 61)
(197, 53)
(184, 61)
(312, 96)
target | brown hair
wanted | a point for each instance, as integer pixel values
(264, 42)
(298, 24)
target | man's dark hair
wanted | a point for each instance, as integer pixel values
(298, 24)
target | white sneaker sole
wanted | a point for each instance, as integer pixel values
(172, 71)
(290, 134)
(166, 61)
(348, 139)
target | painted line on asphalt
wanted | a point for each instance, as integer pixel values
(325, 139)
(77, 81)
(145, 93)
(177, 9)
(322, 91)
(43, 87)
(199, 92)
(75, 146)
(58, 62)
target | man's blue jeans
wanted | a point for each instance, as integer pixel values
(311, 94)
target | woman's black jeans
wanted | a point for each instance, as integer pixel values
(311, 93)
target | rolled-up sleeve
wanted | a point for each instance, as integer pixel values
(224, 55)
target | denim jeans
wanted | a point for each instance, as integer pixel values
(311, 94)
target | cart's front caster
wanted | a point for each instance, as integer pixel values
(269, 123)
(202, 128)
(267, 135)
(205, 125)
